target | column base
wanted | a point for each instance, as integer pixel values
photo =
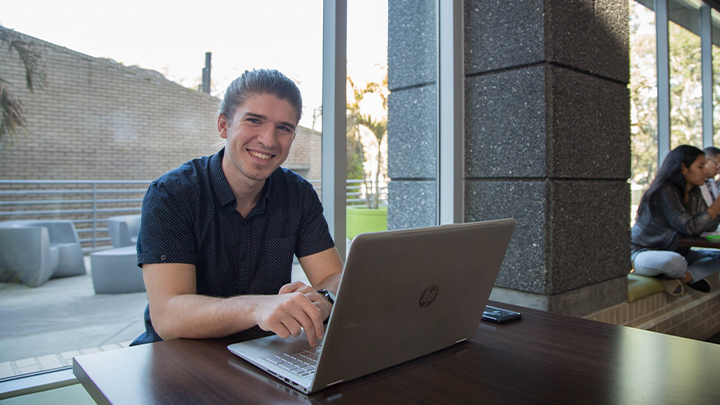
(579, 302)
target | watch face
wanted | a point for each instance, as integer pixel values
(328, 295)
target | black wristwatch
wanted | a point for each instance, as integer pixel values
(329, 295)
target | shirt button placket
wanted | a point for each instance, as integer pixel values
(243, 252)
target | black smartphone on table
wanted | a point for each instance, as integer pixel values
(499, 315)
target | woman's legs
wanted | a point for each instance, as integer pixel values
(660, 262)
(702, 263)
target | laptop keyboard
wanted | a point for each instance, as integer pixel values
(302, 363)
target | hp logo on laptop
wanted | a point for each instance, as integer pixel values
(428, 296)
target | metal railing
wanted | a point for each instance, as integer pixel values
(88, 203)
(356, 191)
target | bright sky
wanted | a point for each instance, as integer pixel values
(172, 38)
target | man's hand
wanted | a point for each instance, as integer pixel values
(291, 311)
(318, 300)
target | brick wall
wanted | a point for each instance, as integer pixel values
(97, 119)
(693, 315)
(306, 154)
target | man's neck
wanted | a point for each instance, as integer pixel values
(247, 191)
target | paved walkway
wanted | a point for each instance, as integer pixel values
(45, 327)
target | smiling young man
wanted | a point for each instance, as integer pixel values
(219, 233)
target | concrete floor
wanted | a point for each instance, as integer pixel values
(45, 327)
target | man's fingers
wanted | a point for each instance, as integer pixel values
(308, 316)
(292, 287)
(314, 296)
(280, 330)
(293, 311)
(315, 316)
(292, 326)
(283, 326)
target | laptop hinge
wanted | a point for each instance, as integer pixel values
(461, 340)
(336, 382)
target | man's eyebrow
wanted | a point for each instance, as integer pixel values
(252, 114)
(287, 124)
(263, 117)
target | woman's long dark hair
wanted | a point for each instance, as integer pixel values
(670, 173)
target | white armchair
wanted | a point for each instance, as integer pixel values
(33, 251)
(123, 230)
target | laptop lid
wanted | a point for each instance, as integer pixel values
(403, 294)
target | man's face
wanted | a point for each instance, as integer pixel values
(712, 166)
(258, 137)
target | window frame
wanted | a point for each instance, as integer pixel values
(450, 118)
(662, 20)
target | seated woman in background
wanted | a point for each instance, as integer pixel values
(671, 208)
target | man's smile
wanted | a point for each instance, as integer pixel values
(260, 155)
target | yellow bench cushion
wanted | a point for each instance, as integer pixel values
(640, 287)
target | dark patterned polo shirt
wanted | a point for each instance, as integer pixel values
(189, 216)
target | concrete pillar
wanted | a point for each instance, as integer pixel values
(412, 114)
(547, 141)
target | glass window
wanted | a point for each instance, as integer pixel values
(685, 74)
(643, 93)
(120, 107)
(716, 75)
(392, 110)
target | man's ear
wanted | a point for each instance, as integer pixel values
(222, 125)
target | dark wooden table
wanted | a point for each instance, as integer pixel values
(544, 358)
(699, 241)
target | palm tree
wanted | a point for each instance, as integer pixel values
(12, 115)
(379, 129)
(355, 119)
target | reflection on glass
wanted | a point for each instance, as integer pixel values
(643, 93)
(685, 75)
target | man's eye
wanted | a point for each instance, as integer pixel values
(254, 120)
(284, 128)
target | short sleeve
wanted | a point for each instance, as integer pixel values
(313, 234)
(166, 234)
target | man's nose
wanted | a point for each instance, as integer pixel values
(267, 136)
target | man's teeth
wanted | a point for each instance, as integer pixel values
(260, 155)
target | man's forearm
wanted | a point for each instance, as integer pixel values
(198, 316)
(330, 282)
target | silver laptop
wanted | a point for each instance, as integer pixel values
(403, 294)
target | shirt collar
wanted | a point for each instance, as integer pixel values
(222, 189)
(219, 183)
